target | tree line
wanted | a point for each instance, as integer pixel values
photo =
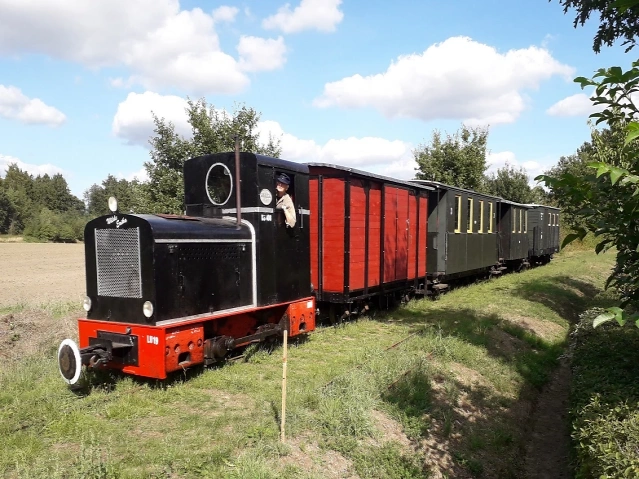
(42, 208)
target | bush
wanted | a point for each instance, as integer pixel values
(607, 439)
(605, 400)
(48, 226)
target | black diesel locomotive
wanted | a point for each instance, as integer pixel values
(167, 292)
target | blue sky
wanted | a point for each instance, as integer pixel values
(357, 83)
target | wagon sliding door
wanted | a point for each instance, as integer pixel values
(396, 211)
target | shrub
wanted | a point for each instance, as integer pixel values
(55, 227)
(605, 400)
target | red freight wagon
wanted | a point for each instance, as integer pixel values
(368, 236)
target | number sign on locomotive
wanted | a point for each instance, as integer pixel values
(168, 292)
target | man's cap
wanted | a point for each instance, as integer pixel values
(283, 178)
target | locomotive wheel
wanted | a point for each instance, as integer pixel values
(69, 362)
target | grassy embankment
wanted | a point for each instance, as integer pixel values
(452, 400)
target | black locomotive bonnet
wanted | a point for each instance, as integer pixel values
(283, 178)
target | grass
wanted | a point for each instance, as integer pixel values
(454, 397)
(4, 238)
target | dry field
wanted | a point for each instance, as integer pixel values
(39, 273)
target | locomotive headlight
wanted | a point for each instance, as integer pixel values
(147, 309)
(86, 304)
(113, 204)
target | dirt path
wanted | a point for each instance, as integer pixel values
(548, 452)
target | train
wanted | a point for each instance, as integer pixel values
(244, 264)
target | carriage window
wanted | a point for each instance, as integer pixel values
(521, 220)
(469, 228)
(557, 219)
(490, 217)
(514, 220)
(481, 216)
(526, 221)
(219, 184)
(549, 219)
(457, 214)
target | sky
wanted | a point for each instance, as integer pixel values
(351, 82)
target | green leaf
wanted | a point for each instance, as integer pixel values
(569, 239)
(623, 5)
(595, 164)
(615, 174)
(584, 82)
(602, 318)
(602, 170)
(601, 246)
(632, 132)
(616, 72)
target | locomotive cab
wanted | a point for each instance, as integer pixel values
(282, 263)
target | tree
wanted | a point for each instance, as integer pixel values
(7, 211)
(618, 19)
(23, 198)
(510, 183)
(458, 160)
(212, 132)
(126, 192)
(607, 202)
(577, 166)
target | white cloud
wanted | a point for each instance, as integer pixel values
(161, 45)
(35, 170)
(498, 160)
(377, 155)
(133, 120)
(257, 54)
(321, 15)
(224, 14)
(15, 105)
(456, 79)
(574, 105)
(140, 175)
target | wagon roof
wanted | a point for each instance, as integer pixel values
(437, 184)
(514, 203)
(371, 175)
(535, 205)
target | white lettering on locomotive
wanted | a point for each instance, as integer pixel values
(152, 339)
(267, 217)
(118, 222)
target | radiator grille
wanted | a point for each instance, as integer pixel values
(118, 262)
